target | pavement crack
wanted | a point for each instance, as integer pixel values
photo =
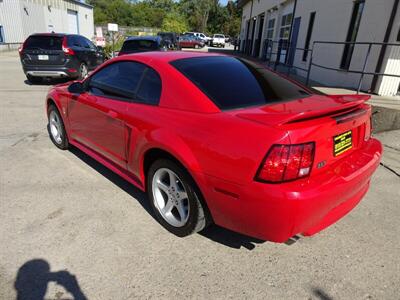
(391, 147)
(390, 169)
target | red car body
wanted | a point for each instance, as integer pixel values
(223, 150)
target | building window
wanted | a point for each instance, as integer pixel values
(286, 23)
(1, 34)
(352, 33)
(308, 37)
(270, 29)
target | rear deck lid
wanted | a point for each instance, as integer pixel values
(297, 110)
(43, 50)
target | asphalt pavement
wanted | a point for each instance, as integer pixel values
(69, 228)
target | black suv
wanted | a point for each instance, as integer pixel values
(58, 55)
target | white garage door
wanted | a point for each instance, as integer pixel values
(73, 21)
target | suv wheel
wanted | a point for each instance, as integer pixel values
(175, 198)
(83, 71)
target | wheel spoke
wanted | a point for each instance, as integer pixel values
(168, 207)
(162, 186)
(182, 195)
(181, 210)
(173, 180)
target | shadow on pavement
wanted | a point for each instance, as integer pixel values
(320, 294)
(230, 238)
(48, 81)
(215, 233)
(33, 277)
(114, 178)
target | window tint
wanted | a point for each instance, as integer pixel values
(235, 83)
(86, 43)
(45, 42)
(150, 88)
(118, 79)
(139, 45)
(73, 41)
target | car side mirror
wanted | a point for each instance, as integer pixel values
(76, 88)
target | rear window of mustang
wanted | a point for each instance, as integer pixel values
(236, 83)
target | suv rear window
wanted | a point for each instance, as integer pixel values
(235, 83)
(139, 45)
(44, 42)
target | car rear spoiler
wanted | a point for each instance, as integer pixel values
(348, 107)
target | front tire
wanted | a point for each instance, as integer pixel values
(56, 128)
(175, 198)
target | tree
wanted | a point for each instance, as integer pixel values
(207, 16)
(174, 22)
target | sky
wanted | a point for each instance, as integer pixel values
(223, 2)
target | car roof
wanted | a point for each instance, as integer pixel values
(168, 56)
(49, 34)
(143, 38)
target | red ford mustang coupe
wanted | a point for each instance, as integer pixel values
(219, 139)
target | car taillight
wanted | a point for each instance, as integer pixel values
(21, 49)
(286, 162)
(65, 48)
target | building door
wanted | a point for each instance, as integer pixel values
(293, 41)
(73, 22)
(253, 33)
(258, 44)
(1, 35)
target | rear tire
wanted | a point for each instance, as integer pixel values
(34, 79)
(56, 128)
(175, 198)
(83, 71)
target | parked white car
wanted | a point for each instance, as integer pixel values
(218, 40)
(200, 35)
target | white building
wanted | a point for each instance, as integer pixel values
(20, 18)
(301, 22)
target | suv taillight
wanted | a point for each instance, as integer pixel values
(65, 47)
(21, 49)
(286, 162)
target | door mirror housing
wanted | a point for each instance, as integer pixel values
(76, 88)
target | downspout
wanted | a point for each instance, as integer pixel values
(382, 53)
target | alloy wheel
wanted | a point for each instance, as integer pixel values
(55, 127)
(170, 197)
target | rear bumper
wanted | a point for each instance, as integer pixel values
(276, 212)
(47, 73)
(51, 71)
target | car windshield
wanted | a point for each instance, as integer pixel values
(44, 42)
(236, 83)
(139, 45)
(219, 36)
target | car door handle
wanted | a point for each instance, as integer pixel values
(112, 114)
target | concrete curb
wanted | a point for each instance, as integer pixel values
(385, 119)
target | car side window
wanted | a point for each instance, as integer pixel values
(118, 80)
(88, 44)
(73, 41)
(149, 91)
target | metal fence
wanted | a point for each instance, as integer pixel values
(281, 56)
(9, 46)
